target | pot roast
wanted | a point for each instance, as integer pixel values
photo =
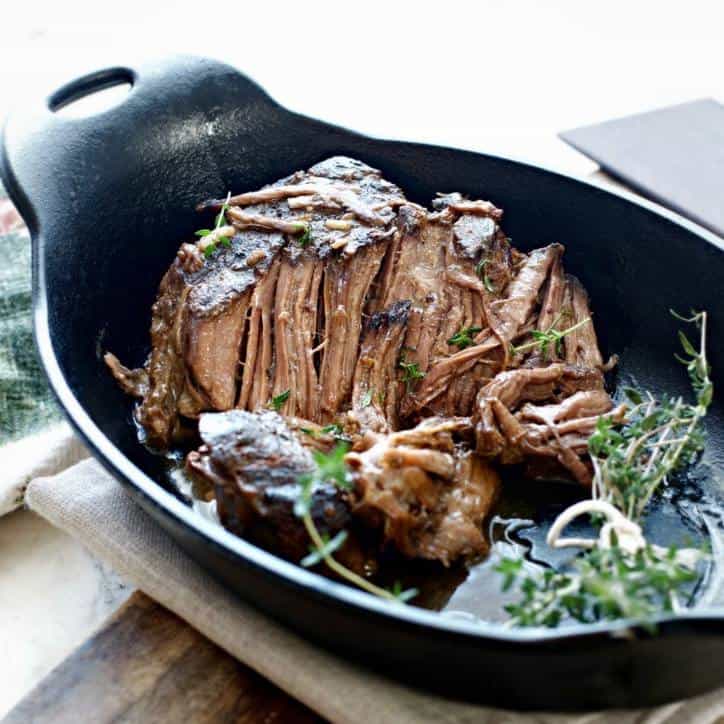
(327, 304)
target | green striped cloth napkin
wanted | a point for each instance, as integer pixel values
(33, 440)
(26, 404)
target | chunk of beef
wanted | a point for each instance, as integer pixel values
(510, 428)
(375, 392)
(581, 344)
(254, 463)
(565, 441)
(507, 315)
(132, 382)
(255, 390)
(235, 319)
(413, 273)
(506, 318)
(295, 326)
(426, 495)
(346, 284)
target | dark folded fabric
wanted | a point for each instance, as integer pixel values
(674, 156)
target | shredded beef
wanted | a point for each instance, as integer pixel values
(359, 315)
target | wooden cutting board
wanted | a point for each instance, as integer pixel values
(147, 665)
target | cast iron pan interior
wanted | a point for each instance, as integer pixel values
(107, 199)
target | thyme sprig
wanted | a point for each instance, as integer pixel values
(330, 468)
(366, 399)
(480, 270)
(306, 235)
(544, 340)
(605, 584)
(411, 372)
(465, 337)
(625, 577)
(220, 220)
(277, 402)
(659, 437)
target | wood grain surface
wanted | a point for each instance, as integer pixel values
(147, 665)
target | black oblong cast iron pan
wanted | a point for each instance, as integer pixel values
(107, 199)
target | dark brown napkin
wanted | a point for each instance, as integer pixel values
(674, 156)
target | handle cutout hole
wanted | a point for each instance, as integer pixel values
(92, 94)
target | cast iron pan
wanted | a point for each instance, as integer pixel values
(107, 199)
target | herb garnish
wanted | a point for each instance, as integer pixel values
(333, 429)
(622, 575)
(219, 221)
(411, 372)
(659, 437)
(306, 237)
(551, 337)
(480, 271)
(366, 399)
(605, 584)
(330, 468)
(464, 338)
(278, 401)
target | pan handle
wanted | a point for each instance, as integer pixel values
(88, 84)
(182, 109)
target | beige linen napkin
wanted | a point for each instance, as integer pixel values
(90, 505)
(43, 453)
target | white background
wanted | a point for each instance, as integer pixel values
(495, 76)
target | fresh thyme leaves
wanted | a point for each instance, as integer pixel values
(317, 555)
(330, 468)
(695, 361)
(278, 400)
(366, 399)
(551, 337)
(480, 270)
(411, 372)
(464, 338)
(335, 431)
(605, 584)
(306, 237)
(220, 220)
(621, 575)
(658, 437)
(401, 594)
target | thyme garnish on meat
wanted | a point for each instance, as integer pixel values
(464, 338)
(411, 372)
(480, 271)
(333, 429)
(366, 399)
(306, 238)
(220, 220)
(544, 340)
(278, 401)
(621, 575)
(331, 469)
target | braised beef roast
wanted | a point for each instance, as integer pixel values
(420, 335)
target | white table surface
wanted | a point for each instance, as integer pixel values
(500, 77)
